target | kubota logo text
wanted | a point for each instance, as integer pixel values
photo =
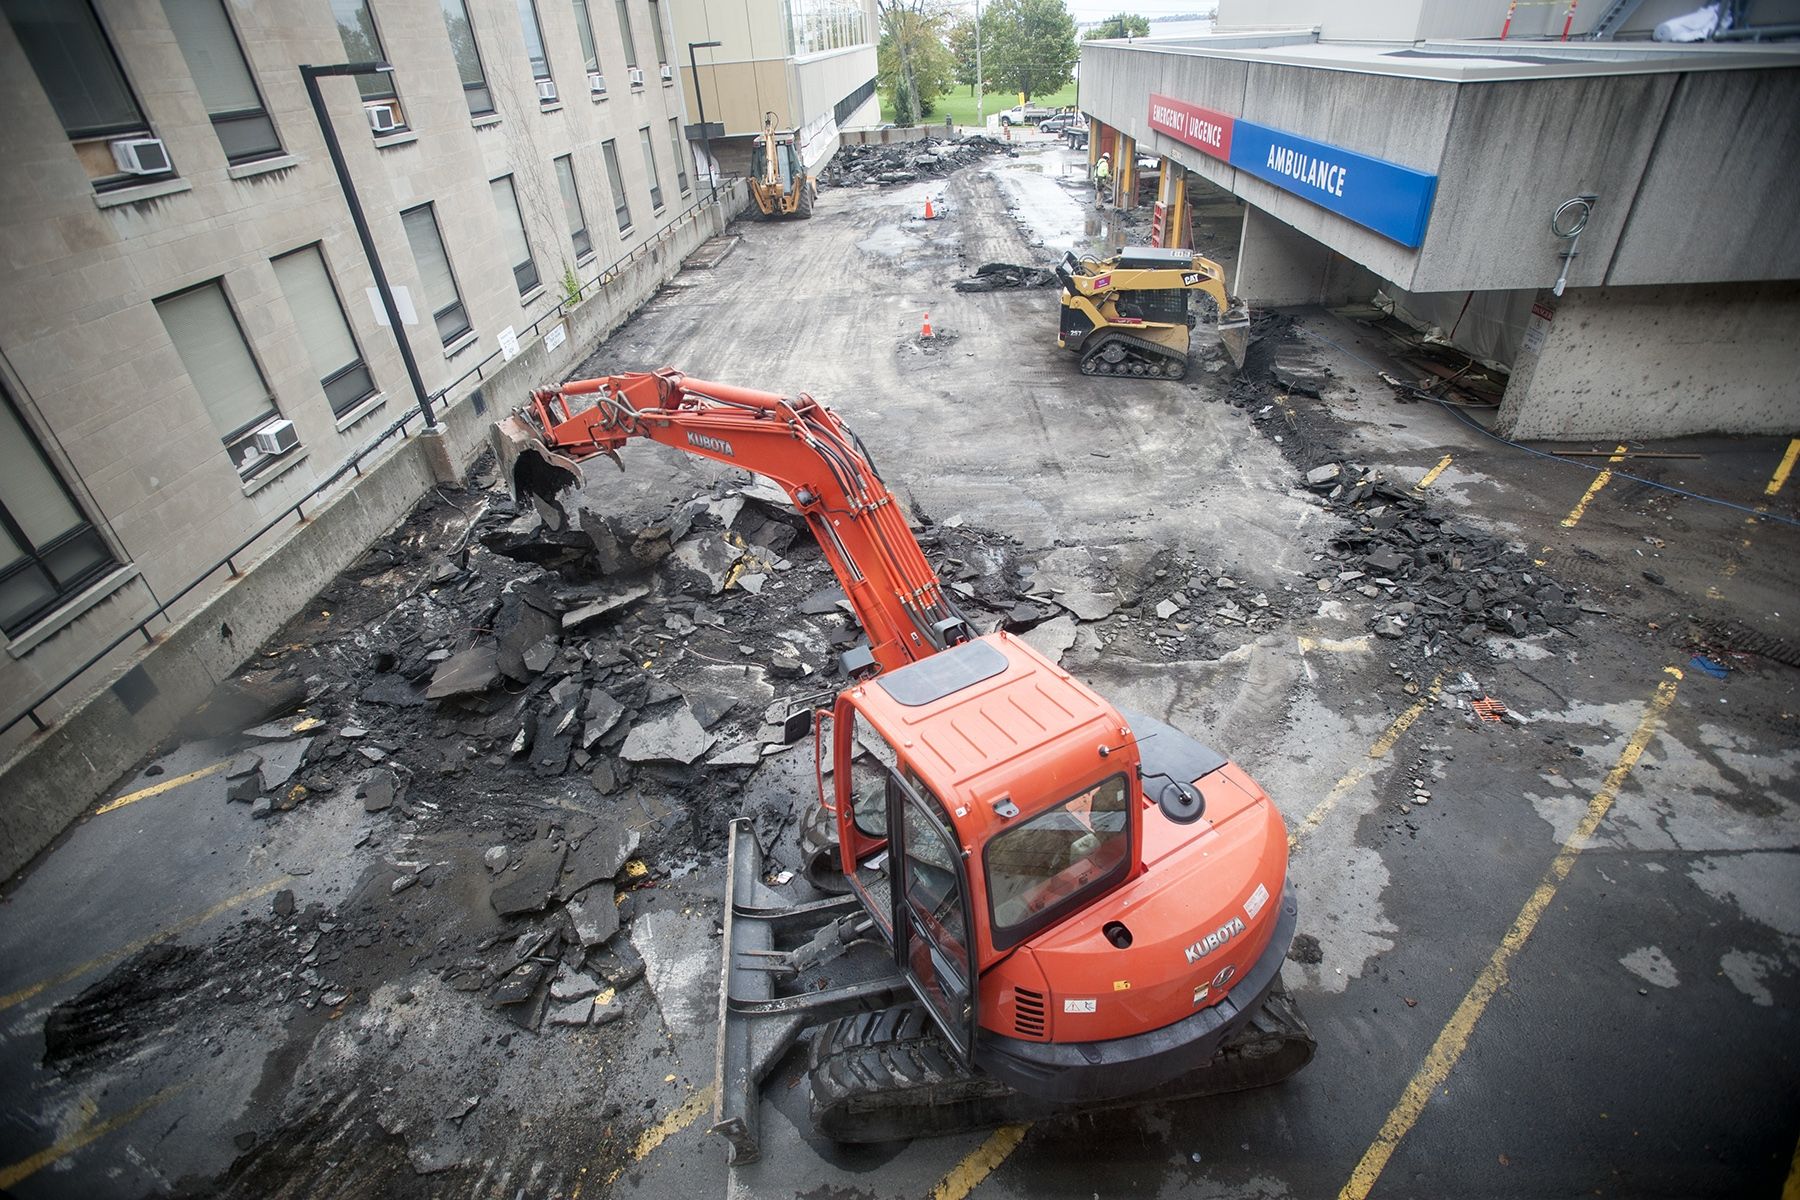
(1215, 939)
(716, 445)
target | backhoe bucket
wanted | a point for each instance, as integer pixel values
(1234, 333)
(533, 469)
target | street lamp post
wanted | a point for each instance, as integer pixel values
(312, 75)
(712, 170)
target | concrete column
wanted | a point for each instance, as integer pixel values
(1657, 362)
(1171, 194)
(1125, 172)
(1277, 264)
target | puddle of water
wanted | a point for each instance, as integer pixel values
(888, 241)
(1052, 211)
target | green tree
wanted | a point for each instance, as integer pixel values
(1119, 25)
(912, 63)
(961, 40)
(1028, 46)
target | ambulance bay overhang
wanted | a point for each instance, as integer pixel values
(1438, 166)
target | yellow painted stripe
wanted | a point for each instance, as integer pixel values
(158, 789)
(1791, 1189)
(683, 1115)
(1431, 475)
(93, 964)
(967, 1174)
(1454, 1038)
(1779, 480)
(11, 1176)
(1356, 774)
(1600, 481)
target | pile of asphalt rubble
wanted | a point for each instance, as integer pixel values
(904, 162)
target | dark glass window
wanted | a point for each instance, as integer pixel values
(48, 549)
(76, 66)
(609, 150)
(468, 57)
(211, 343)
(319, 315)
(435, 276)
(223, 79)
(1038, 869)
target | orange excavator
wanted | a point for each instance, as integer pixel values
(1051, 904)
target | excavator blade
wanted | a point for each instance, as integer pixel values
(1234, 333)
(533, 469)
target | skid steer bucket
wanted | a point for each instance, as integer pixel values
(771, 988)
(1234, 333)
(532, 469)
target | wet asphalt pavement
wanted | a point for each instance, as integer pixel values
(1572, 971)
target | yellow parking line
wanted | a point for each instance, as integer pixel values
(159, 788)
(1779, 480)
(1791, 1189)
(980, 1163)
(93, 964)
(1600, 481)
(26, 1167)
(1356, 774)
(1454, 1038)
(678, 1119)
(1431, 475)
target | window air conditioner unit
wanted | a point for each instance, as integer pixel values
(381, 118)
(637, 76)
(668, 73)
(546, 91)
(277, 437)
(141, 156)
(596, 83)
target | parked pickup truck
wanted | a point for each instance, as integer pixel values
(1025, 114)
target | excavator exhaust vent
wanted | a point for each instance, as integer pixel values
(1028, 1013)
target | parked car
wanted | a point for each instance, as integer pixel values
(1061, 122)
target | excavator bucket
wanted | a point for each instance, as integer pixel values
(1234, 333)
(533, 469)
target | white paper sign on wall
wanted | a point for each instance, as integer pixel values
(556, 337)
(509, 344)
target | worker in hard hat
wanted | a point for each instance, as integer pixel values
(1102, 179)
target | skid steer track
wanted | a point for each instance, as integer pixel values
(1134, 357)
(886, 1076)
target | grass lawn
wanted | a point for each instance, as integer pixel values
(961, 106)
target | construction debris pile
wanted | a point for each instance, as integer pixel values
(856, 164)
(999, 276)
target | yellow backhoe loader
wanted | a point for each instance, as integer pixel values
(779, 181)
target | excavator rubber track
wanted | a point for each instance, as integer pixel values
(887, 1076)
(1120, 354)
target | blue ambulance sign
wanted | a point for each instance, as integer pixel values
(1393, 200)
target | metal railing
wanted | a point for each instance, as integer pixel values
(438, 400)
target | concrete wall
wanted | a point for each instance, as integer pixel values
(752, 71)
(1655, 362)
(1278, 265)
(85, 355)
(52, 777)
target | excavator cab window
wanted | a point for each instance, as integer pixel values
(1041, 868)
(872, 762)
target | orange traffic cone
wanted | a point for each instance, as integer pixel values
(925, 331)
(928, 213)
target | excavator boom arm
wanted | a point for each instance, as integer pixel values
(817, 461)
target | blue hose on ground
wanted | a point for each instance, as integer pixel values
(1422, 394)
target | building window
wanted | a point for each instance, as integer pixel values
(319, 313)
(362, 43)
(223, 79)
(578, 234)
(468, 57)
(435, 276)
(675, 146)
(76, 66)
(512, 227)
(625, 33)
(212, 348)
(534, 39)
(814, 26)
(656, 26)
(609, 150)
(656, 200)
(48, 550)
(584, 29)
